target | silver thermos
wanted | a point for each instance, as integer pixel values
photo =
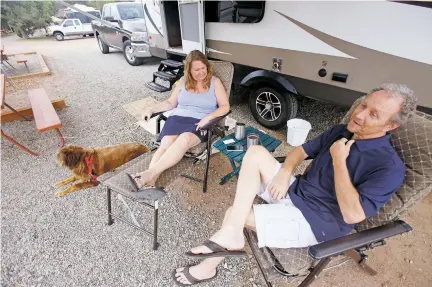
(240, 131)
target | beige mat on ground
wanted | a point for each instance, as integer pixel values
(137, 108)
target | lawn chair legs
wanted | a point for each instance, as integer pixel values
(155, 208)
(110, 219)
(155, 225)
(209, 147)
(315, 272)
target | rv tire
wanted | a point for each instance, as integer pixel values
(271, 108)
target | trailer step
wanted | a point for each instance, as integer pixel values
(172, 63)
(156, 87)
(165, 76)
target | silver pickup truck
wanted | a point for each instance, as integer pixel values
(130, 17)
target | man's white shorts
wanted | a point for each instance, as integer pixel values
(280, 224)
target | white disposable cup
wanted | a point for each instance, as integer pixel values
(297, 131)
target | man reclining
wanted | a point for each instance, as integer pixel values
(355, 170)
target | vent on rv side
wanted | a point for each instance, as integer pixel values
(339, 77)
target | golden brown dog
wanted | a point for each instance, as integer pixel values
(103, 159)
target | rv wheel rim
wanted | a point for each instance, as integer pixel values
(58, 36)
(268, 106)
(129, 53)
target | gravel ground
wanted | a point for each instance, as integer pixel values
(48, 241)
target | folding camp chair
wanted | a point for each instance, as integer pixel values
(116, 181)
(215, 129)
(413, 144)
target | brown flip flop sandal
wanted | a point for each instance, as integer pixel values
(147, 192)
(189, 277)
(132, 182)
(218, 251)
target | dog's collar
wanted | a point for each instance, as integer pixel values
(89, 163)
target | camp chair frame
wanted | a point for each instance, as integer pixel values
(412, 144)
(211, 129)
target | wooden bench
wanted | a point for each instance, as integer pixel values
(20, 60)
(45, 116)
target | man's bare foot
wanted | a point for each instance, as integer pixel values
(143, 178)
(199, 272)
(229, 237)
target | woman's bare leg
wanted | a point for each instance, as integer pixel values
(170, 157)
(166, 142)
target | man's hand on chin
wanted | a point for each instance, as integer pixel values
(340, 150)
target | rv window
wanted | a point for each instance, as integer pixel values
(131, 11)
(234, 11)
(77, 23)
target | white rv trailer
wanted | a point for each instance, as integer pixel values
(330, 51)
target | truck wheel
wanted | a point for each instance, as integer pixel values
(59, 36)
(128, 54)
(102, 46)
(271, 108)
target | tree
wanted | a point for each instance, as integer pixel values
(25, 17)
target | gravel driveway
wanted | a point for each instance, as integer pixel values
(48, 241)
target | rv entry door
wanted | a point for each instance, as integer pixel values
(192, 25)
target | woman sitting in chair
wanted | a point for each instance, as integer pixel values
(198, 97)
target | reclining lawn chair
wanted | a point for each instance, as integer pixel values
(215, 129)
(413, 144)
(117, 181)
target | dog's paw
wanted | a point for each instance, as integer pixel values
(59, 194)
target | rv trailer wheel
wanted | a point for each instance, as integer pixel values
(271, 108)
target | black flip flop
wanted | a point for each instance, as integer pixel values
(189, 277)
(218, 251)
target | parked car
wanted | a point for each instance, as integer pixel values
(70, 27)
(129, 17)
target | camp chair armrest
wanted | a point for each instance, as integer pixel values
(214, 121)
(158, 114)
(356, 240)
